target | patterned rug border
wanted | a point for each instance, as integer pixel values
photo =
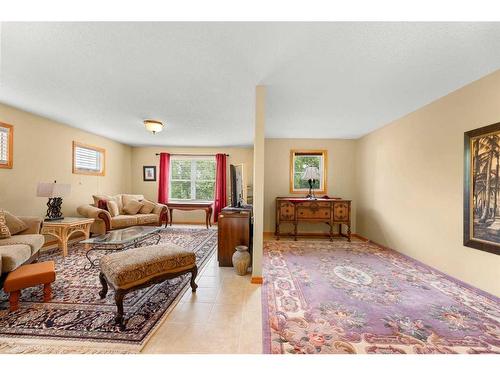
(266, 330)
(61, 345)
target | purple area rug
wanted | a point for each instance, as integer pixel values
(340, 297)
(76, 310)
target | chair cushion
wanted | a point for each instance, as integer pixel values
(34, 241)
(132, 207)
(14, 256)
(30, 275)
(4, 229)
(123, 221)
(146, 218)
(15, 224)
(133, 267)
(147, 207)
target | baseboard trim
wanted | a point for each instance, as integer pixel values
(257, 280)
(359, 237)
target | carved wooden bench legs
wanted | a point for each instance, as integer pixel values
(120, 293)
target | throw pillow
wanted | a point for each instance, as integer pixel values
(132, 207)
(15, 224)
(102, 204)
(4, 229)
(113, 208)
(147, 207)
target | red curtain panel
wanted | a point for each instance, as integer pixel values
(163, 177)
(220, 184)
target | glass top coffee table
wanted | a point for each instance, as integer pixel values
(120, 239)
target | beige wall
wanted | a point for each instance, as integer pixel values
(410, 183)
(341, 176)
(43, 153)
(142, 156)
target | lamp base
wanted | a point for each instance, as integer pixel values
(54, 209)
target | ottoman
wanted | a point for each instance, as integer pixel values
(29, 275)
(141, 267)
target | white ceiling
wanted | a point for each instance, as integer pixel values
(325, 80)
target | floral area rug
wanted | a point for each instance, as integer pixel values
(76, 311)
(340, 297)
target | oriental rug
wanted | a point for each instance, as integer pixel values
(76, 311)
(341, 297)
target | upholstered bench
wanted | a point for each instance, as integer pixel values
(141, 267)
(30, 275)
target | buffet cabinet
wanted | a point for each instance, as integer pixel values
(329, 211)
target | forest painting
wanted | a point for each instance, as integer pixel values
(482, 189)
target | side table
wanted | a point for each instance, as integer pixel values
(65, 228)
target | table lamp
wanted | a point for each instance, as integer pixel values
(311, 174)
(54, 192)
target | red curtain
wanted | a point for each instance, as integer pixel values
(220, 184)
(163, 177)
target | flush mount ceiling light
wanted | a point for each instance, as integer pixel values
(154, 126)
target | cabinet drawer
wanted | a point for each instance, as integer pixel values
(286, 211)
(341, 211)
(313, 213)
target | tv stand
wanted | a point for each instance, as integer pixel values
(234, 228)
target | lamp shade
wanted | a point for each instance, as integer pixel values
(52, 190)
(311, 173)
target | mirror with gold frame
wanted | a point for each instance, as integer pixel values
(299, 161)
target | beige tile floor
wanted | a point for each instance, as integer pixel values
(223, 316)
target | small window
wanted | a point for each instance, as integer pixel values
(300, 162)
(6, 145)
(88, 159)
(192, 179)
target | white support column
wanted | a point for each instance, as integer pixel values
(258, 184)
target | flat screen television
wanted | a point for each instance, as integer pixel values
(237, 185)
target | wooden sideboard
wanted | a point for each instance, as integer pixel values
(234, 228)
(329, 211)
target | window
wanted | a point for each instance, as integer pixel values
(192, 179)
(6, 145)
(299, 161)
(88, 159)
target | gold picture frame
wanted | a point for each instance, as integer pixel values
(297, 187)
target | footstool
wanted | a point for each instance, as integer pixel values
(141, 267)
(27, 276)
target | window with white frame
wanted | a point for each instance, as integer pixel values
(6, 144)
(192, 178)
(88, 159)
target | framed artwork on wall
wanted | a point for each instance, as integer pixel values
(303, 162)
(149, 173)
(482, 188)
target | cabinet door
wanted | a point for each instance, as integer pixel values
(286, 211)
(341, 211)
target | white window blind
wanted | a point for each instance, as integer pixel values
(4, 145)
(88, 159)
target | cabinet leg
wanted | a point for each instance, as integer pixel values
(349, 233)
(331, 232)
(295, 231)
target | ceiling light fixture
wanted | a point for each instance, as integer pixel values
(154, 126)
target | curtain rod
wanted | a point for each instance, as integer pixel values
(157, 154)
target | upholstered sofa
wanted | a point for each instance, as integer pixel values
(104, 220)
(21, 248)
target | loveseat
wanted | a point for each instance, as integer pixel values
(106, 218)
(22, 247)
